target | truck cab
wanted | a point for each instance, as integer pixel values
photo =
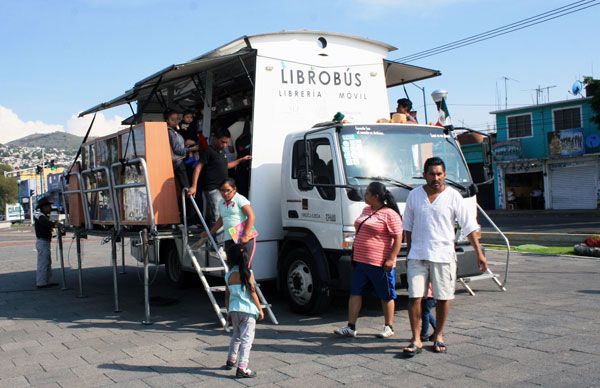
(323, 184)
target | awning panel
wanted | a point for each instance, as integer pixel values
(400, 73)
(142, 88)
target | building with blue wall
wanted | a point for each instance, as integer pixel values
(547, 156)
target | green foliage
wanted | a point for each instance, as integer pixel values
(9, 189)
(592, 86)
(5, 167)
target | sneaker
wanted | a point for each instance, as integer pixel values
(245, 373)
(387, 332)
(345, 331)
(228, 365)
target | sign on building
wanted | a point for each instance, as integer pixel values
(506, 151)
(568, 142)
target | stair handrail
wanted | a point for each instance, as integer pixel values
(505, 240)
(214, 244)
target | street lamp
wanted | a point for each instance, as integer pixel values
(424, 100)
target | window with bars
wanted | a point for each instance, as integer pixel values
(519, 126)
(567, 118)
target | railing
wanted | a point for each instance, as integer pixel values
(66, 192)
(108, 188)
(121, 187)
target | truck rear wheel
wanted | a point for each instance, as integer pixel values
(175, 272)
(304, 286)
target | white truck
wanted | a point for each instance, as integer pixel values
(306, 182)
(14, 212)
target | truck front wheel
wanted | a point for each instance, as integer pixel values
(175, 273)
(305, 290)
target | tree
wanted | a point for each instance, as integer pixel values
(9, 190)
(592, 87)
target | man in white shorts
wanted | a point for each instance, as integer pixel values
(429, 219)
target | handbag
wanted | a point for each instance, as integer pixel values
(356, 234)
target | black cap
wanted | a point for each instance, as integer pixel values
(43, 201)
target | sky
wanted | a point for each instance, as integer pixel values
(59, 57)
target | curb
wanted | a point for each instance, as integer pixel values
(547, 239)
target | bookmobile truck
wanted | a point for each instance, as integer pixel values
(307, 176)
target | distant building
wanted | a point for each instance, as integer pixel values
(547, 156)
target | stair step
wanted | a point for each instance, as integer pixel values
(213, 269)
(218, 288)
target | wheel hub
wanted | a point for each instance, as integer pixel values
(300, 282)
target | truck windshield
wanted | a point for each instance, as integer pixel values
(398, 153)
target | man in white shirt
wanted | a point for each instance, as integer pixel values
(429, 217)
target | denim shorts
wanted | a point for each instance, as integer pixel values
(370, 280)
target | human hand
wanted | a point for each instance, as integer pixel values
(191, 191)
(388, 265)
(482, 261)
(244, 239)
(261, 315)
(247, 157)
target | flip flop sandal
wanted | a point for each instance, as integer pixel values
(411, 350)
(439, 347)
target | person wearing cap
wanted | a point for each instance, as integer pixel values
(43, 233)
(405, 107)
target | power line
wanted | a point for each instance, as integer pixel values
(512, 27)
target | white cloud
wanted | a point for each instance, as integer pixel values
(102, 125)
(12, 127)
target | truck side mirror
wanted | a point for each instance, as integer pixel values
(305, 180)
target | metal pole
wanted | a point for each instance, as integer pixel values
(424, 104)
(79, 269)
(123, 255)
(59, 235)
(147, 320)
(113, 248)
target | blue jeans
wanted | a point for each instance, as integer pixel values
(427, 316)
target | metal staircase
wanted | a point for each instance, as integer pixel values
(215, 252)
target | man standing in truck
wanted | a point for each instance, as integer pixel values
(429, 219)
(213, 165)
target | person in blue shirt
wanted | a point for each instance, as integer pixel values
(236, 217)
(243, 309)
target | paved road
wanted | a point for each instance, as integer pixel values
(572, 222)
(545, 331)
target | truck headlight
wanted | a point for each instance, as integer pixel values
(348, 240)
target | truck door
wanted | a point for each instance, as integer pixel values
(317, 209)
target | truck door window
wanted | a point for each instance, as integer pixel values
(321, 165)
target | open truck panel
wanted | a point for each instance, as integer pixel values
(280, 85)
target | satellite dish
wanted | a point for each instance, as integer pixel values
(576, 88)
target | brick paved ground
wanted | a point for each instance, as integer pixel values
(545, 331)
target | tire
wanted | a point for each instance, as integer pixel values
(175, 273)
(304, 286)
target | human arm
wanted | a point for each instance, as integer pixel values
(249, 212)
(481, 259)
(389, 263)
(238, 161)
(407, 235)
(470, 228)
(193, 187)
(261, 314)
(214, 229)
